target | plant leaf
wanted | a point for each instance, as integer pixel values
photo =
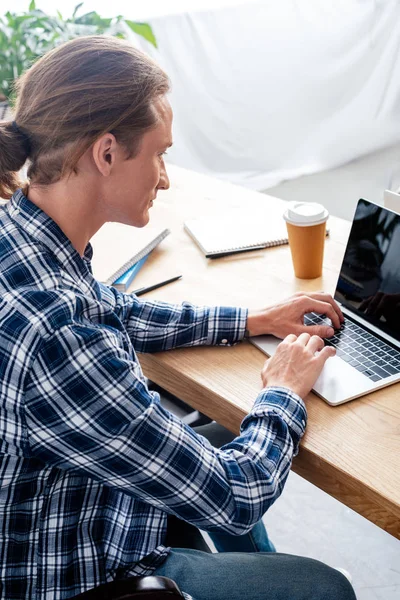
(77, 7)
(144, 30)
(93, 18)
(27, 35)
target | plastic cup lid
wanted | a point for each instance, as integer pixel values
(305, 213)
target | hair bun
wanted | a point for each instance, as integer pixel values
(24, 136)
(15, 148)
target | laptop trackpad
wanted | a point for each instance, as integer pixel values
(338, 381)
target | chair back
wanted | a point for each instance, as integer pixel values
(135, 588)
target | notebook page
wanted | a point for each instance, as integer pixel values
(234, 232)
(116, 247)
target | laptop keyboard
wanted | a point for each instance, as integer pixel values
(361, 349)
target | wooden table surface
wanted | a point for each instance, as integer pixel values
(351, 451)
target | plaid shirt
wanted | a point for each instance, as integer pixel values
(90, 463)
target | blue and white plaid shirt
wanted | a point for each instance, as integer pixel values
(90, 463)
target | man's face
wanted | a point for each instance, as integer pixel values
(135, 182)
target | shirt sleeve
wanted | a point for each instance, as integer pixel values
(88, 410)
(156, 326)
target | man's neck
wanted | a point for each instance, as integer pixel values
(73, 206)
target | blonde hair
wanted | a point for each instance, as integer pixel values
(69, 98)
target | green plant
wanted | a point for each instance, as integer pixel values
(26, 36)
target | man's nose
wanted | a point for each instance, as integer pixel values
(163, 184)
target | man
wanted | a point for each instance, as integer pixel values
(92, 464)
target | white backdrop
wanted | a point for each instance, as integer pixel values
(131, 9)
(270, 90)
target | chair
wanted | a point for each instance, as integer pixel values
(135, 588)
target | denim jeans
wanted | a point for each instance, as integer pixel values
(253, 576)
(184, 535)
(256, 540)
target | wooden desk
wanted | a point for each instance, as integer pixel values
(351, 451)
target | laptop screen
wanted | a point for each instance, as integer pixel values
(369, 280)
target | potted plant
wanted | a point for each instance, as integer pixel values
(25, 36)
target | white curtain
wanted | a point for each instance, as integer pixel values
(269, 90)
(264, 91)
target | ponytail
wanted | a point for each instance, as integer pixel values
(14, 151)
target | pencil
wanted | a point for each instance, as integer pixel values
(150, 288)
(236, 251)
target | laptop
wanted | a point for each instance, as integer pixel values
(368, 292)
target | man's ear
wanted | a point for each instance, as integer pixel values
(104, 153)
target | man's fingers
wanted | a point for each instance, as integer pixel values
(322, 331)
(323, 308)
(322, 297)
(303, 339)
(290, 338)
(334, 304)
(315, 344)
(326, 353)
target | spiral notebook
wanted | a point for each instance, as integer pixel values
(226, 235)
(117, 247)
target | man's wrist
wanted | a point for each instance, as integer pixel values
(257, 323)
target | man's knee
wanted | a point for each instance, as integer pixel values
(330, 584)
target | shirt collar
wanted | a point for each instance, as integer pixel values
(44, 230)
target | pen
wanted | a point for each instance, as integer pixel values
(150, 288)
(237, 251)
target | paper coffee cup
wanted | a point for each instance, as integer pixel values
(306, 227)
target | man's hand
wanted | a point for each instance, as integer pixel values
(288, 316)
(295, 364)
